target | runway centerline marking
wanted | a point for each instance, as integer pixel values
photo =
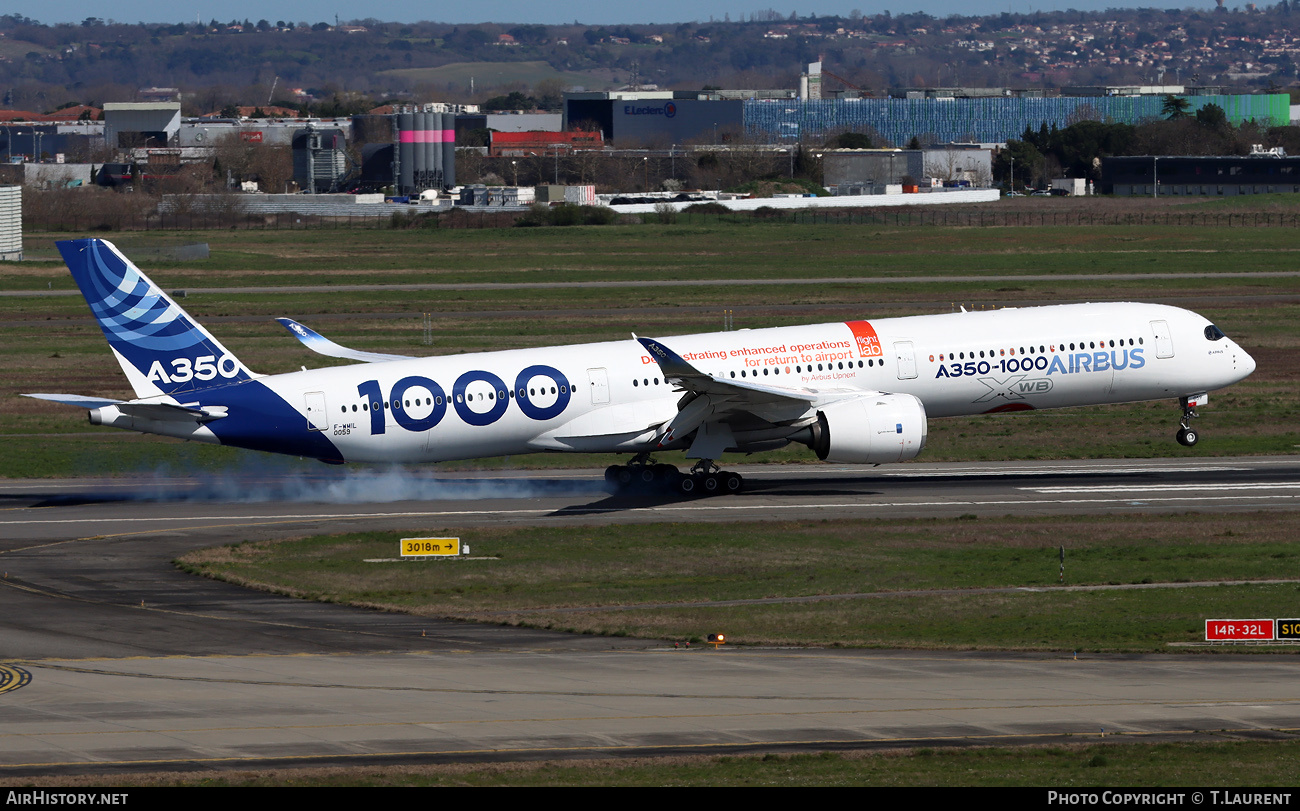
(1061, 471)
(1160, 488)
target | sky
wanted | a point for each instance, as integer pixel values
(589, 12)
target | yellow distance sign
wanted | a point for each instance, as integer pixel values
(423, 547)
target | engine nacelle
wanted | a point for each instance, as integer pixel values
(870, 430)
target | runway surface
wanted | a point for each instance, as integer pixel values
(110, 658)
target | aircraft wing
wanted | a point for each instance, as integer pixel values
(321, 345)
(717, 408)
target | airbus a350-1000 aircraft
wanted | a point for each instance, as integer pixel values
(854, 392)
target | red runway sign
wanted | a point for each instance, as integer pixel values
(1238, 630)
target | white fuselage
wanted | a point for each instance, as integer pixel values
(608, 397)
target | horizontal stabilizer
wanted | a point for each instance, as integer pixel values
(149, 411)
(321, 345)
(75, 400)
(167, 411)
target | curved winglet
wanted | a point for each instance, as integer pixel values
(679, 370)
(671, 363)
(321, 345)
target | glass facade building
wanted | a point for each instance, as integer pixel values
(981, 120)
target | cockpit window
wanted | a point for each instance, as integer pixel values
(1213, 333)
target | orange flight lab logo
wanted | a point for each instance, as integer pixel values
(868, 341)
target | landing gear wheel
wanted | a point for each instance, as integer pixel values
(1187, 435)
(688, 486)
(733, 483)
(710, 484)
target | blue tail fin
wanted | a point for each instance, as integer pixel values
(161, 349)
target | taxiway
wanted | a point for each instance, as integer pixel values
(110, 658)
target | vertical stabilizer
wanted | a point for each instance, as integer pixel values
(161, 349)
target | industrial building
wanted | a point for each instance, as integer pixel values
(141, 124)
(37, 140)
(1264, 172)
(518, 144)
(871, 171)
(983, 115)
(656, 118)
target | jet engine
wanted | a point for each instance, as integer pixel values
(868, 430)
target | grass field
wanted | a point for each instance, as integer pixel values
(936, 583)
(1063, 768)
(45, 338)
(753, 249)
(666, 581)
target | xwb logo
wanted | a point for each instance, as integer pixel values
(1015, 387)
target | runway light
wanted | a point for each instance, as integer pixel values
(716, 639)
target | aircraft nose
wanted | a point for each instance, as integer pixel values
(1245, 363)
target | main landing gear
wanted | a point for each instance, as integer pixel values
(1187, 435)
(704, 479)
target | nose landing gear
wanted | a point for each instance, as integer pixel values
(1187, 435)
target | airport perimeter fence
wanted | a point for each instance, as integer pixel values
(271, 221)
(456, 219)
(943, 217)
